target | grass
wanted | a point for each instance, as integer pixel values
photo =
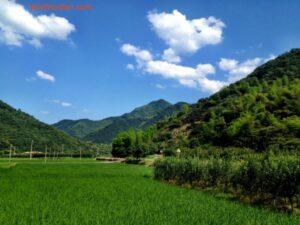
(89, 192)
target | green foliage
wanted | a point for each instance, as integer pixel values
(270, 178)
(83, 127)
(19, 129)
(267, 178)
(169, 152)
(293, 124)
(257, 112)
(134, 143)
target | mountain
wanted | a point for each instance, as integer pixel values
(261, 111)
(19, 129)
(103, 131)
(81, 128)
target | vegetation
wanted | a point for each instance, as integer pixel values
(260, 112)
(134, 143)
(103, 131)
(262, 178)
(70, 192)
(18, 129)
(226, 141)
(81, 128)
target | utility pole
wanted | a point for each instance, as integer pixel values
(80, 153)
(10, 149)
(31, 147)
(46, 154)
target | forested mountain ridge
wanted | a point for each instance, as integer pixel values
(81, 128)
(139, 118)
(103, 131)
(19, 129)
(260, 111)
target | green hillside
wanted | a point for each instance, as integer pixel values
(139, 118)
(259, 112)
(81, 128)
(103, 131)
(19, 129)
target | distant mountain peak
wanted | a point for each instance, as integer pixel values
(104, 130)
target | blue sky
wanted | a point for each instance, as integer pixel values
(108, 60)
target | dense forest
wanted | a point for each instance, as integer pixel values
(260, 112)
(103, 131)
(18, 129)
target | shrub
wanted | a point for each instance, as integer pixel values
(169, 152)
(271, 177)
(266, 178)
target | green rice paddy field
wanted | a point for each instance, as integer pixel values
(90, 192)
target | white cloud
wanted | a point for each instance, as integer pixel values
(238, 70)
(188, 36)
(130, 66)
(211, 86)
(170, 70)
(170, 56)
(65, 104)
(35, 42)
(188, 83)
(183, 35)
(185, 75)
(141, 55)
(45, 76)
(62, 103)
(17, 25)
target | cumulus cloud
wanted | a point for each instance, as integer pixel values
(238, 70)
(211, 86)
(45, 76)
(170, 56)
(141, 55)
(18, 26)
(188, 76)
(188, 36)
(62, 103)
(183, 35)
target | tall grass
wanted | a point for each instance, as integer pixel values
(263, 179)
